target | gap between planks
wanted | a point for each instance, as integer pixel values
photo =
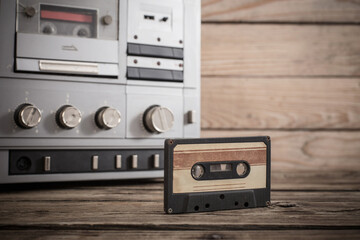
(186, 234)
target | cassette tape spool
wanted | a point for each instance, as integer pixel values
(216, 174)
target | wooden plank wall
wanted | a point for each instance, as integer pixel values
(289, 69)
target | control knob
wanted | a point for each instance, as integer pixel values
(107, 20)
(27, 116)
(68, 117)
(158, 119)
(30, 11)
(107, 118)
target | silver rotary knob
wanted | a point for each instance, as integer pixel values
(158, 119)
(30, 11)
(27, 116)
(107, 20)
(107, 118)
(68, 117)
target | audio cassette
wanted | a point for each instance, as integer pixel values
(216, 174)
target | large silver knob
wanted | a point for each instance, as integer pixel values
(107, 118)
(27, 116)
(68, 117)
(158, 119)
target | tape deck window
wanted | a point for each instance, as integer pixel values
(68, 21)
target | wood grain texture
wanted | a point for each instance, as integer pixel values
(125, 191)
(298, 11)
(319, 180)
(307, 150)
(254, 155)
(278, 103)
(290, 210)
(280, 50)
(156, 235)
(133, 210)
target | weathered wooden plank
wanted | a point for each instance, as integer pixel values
(277, 103)
(289, 210)
(145, 234)
(152, 191)
(316, 180)
(281, 11)
(280, 50)
(307, 150)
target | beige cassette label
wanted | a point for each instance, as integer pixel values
(186, 155)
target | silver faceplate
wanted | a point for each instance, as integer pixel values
(50, 71)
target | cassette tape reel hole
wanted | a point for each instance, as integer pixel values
(242, 169)
(197, 171)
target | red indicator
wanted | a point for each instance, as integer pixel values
(65, 16)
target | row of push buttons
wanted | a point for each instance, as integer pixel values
(118, 165)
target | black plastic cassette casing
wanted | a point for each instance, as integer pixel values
(216, 200)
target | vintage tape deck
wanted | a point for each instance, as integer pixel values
(90, 89)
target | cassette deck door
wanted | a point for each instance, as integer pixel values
(62, 31)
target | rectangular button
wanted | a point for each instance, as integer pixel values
(156, 160)
(154, 74)
(95, 162)
(118, 161)
(47, 163)
(134, 161)
(155, 51)
(192, 116)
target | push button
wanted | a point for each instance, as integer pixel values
(47, 163)
(134, 161)
(191, 116)
(118, 161)
(95, 162)
(156, 160)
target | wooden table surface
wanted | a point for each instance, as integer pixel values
(314, 205)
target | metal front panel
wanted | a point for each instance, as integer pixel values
(65, 48)
(147, 24)
(69, 67)
(141, 98)
(50, 71)
(192, 41)
(49, 96)
(192, 113)
(32, 24)
(67, 30)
